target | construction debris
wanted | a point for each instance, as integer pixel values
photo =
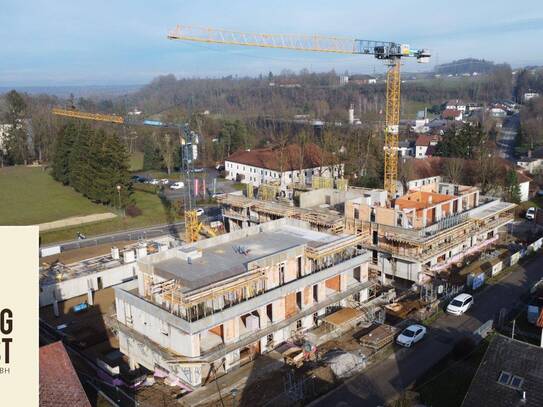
(379, 337)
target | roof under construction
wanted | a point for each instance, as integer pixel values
(222, 261)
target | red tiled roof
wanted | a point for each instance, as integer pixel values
(59, 384)
(277, 160)
(425, 168)
(450, 113)
(425, 140)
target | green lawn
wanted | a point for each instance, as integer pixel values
(29, 195)
(154, 212)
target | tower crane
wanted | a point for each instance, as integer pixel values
(189, 153)
(389, 52)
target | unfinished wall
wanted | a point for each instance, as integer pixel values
(291, 308)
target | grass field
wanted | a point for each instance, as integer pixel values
(29, 195)
(154, 212)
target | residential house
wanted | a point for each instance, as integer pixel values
(456, 105)
(425, 145)
(59, 383)
(510, 374)
(452, 114)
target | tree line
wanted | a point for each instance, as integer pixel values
(94, 163)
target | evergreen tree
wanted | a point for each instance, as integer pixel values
(16, 142)
(512, 187)
(63, 146)
(79, 165)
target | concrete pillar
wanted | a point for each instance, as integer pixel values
(231, 330)
(424, 217)
(321, 291)
(263, 317)
(90, 299)
(343, 281)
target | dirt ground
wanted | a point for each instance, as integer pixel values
(86, 330)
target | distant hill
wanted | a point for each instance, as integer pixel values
(97, 91)
(468, 65)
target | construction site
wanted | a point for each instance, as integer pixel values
(311, 283)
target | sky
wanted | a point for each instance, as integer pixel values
(121, 42)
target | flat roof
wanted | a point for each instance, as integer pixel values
(226, 260)
(491, 208)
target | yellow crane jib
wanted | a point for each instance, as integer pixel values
(77, 114)
(391, 52)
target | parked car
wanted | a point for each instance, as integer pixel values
(153, 181)
(540, 192)
(411, 335)
(200, 211)
(164, 181)
(177, 185)
(198, 170)
(530, 213)
(460, 304)
(138, 178)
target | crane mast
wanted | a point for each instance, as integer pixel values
(390, 52)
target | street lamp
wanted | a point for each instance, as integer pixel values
(119, 187)
(234, 393)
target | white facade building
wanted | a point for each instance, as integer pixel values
(273, 165)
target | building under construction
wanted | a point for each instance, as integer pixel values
(202, 309)
(322, 208)
(417, 235)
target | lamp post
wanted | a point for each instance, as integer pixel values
(234, 393)
(119, 187)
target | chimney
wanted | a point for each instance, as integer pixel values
(351, 114)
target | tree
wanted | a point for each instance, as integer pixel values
(151, 155)
(454, 170)
(168, 149)
(235, 136)
(461, 142)
(512, 188)
(16, 142)
(63, 146)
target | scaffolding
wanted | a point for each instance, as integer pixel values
(342, 184)
(322, 182)
(249, 190)
(267, 192)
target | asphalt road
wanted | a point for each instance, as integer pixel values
(390, 377)
(507, 136)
